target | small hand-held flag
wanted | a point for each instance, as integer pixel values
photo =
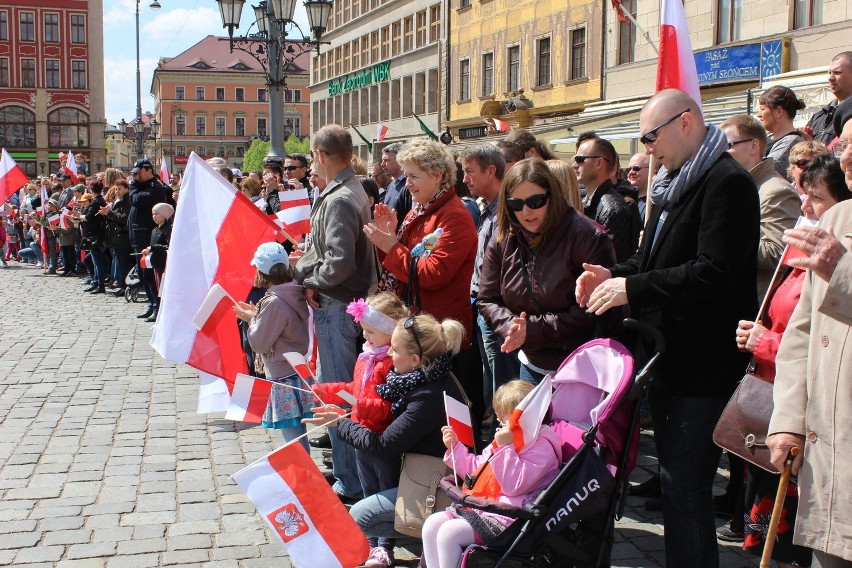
(249, 399)
(303, 369)
(12, 177)
(71, 167)
(525, 420)
(458, 418)
(295, 212)
(381, 132)
(164, 172)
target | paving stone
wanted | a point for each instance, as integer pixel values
(19, 540)
(39, 554)
(185, 556)
(141, 546)
(80, 536)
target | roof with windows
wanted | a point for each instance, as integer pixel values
(213, 54)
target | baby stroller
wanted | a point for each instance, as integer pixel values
(595, 411)
(134, 290)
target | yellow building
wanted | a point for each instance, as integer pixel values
(525, 62)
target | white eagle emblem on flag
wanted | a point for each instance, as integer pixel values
(289, 522)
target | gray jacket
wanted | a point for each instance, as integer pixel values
(340, 261)
(279, 327)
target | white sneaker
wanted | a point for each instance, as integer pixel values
(379, 558)
(38, 265)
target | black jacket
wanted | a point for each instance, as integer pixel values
(143, 197)
(822, 123)
(118, 236)
(416, 429)
(160, 237)
(607, 207)
(95, 225)
(699, 280)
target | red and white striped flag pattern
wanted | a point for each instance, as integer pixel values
(12, 177)
(249, 399)
(299, 364)
(676, 63)
(71, 167)
(458, 418)
(145, 261)
(217, 304)
(295, 212)
(525, 420)
(215, 233)
(501, 126)
(164, 172)
(293, 497)
(65, 220)
(381, 132)
(54, 219)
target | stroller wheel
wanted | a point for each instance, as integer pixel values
(135, 295)
(127, 295)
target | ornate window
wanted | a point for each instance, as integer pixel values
(68, 128)
(17, 126)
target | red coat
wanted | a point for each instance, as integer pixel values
(445, 274)
(371, 411)
(784, 300)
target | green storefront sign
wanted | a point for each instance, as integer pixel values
(378, 73)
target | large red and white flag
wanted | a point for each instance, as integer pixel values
(12, 177)
(295, 212)
(249, 399)
(213, 395)
(525, 420)
(676, 64)
(164, 172)
(71, 167)
(458, 418)
(381, 132)
(293, 497)
(215, 233)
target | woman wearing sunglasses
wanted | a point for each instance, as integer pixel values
(531, 267)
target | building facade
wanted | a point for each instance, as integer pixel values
(523, 62)
(51, 82)
(382, 68)
(214, 102)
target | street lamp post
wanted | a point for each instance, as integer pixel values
(269, 47)
(155, 5)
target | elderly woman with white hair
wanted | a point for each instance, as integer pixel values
(443, 277)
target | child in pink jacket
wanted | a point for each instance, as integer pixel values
(499, 474)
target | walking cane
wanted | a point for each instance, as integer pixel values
(769, 540)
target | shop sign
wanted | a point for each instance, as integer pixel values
(378, 73)
(748, 62)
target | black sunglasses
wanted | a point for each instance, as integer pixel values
(409, 326)
(291, 168)
(651, 136)
(635, 168)
(732, 144)
(536, 201)
(801, 164)
(581, 159)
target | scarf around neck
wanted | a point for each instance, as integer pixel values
(372, 356)
(670, 187)
(398, 385)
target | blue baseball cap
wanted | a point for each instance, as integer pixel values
(268, 255)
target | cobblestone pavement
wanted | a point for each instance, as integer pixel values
(104, 461)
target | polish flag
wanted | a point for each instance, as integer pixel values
(217, 304)
(525, 420)
(65, 220)
(458, 418)
(12, 177)
(71, 167)
(295, 212)
(164, 172)
(54, 219)
(215, 233)
(145, 261)
(299, 364)
(213, 395)
(500, 126)
(792, 253)
(249, 399)
(61, 156)
(293, 497)
(676, 64)
(381, 132)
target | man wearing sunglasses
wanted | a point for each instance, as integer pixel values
(779, 203)
(693, 278)
(596, 164)
(638, 172)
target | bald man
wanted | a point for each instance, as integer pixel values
(693, 278)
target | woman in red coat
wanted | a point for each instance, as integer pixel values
(444, 275)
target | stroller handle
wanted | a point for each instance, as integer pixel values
(649, 330)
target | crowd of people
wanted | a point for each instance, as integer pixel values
(477, 274)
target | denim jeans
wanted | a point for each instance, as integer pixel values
(33, 252)
(374, 515)
(99, 260)
(530, 375)
(683, 432)
(122, 263)
(294, 432)
(377, 475)
(52, 257)
(335, 336)
(499, 367)
(69, 263)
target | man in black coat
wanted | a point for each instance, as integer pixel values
(146, 190)
(694, 278)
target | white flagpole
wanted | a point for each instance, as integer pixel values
(452, 450)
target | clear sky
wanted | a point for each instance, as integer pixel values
(178, 25)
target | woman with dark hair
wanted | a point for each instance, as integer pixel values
(530, 145)
(94, 232)
(824, 186)
(778, 106)
(531, 267)
(117, 235)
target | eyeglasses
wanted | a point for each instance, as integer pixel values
(636, 168)
(291, 168)
(651, 136)
(840, 147)
(801, 164)
(580, 159)
(536, 201)
(732, 144)
(409, 326)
